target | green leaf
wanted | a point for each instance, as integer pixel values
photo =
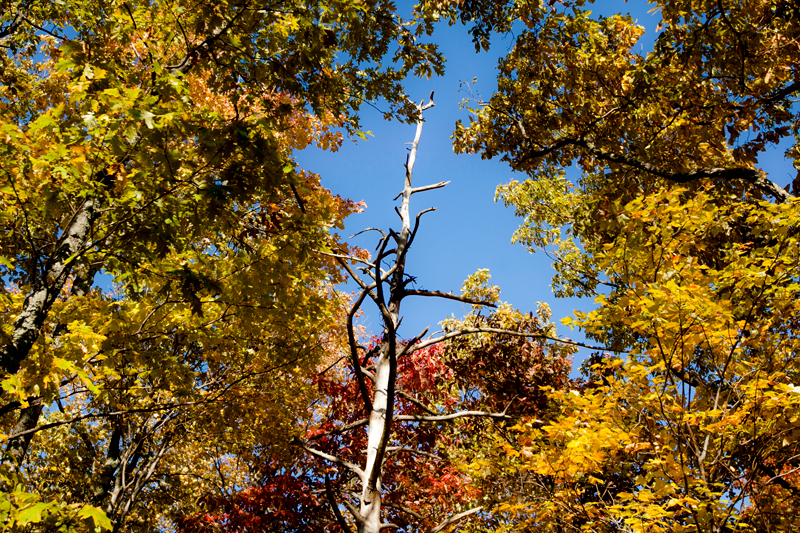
(32, 514)
(97, 516)
(147, 116)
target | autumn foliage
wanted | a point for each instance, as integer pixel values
(689, 249)
(424, 480)
(175, 351)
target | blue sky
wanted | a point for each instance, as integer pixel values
(469, 231)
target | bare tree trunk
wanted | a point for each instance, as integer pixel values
(382, 413)
(387, 289)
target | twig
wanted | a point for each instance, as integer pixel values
(366, 230)
(416, 402)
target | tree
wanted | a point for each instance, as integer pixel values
(377, 454)
(689, 250)
(153, 143)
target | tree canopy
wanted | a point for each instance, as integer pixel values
(152, 143)
(221, 380)
(688, 421)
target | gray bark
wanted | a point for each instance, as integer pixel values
(17, 447)
(29, 323)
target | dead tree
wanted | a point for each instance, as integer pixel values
(384, 281)
(387, 288)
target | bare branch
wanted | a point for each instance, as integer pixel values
(379, 299)
(455, 518)
(351, 339)
(429, 187)
(451, 416)
(330, 458)
(334, 506)
(397, 449)
(472, 331)
(346, 257)
(449, 296)
(429, 105)
(366, 230)
(412, 342)
(356, 278)
(424, 188)
(417, 418)
(416, 223)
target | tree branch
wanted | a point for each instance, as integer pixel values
(425, 188)
(416, 224)
(455, 518)
(448, 296)
(366, 230)
(354, 511)
(749, 175)
(416, 418)
(397, 449)
(14, 24)
(21, 436)
(429, 187)
(346, 257)
(451, 416)
(334, 506)
(471, 331)
(322, 455)
(783, 93)
(187, 62)
(778, 479)
(415, 401)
